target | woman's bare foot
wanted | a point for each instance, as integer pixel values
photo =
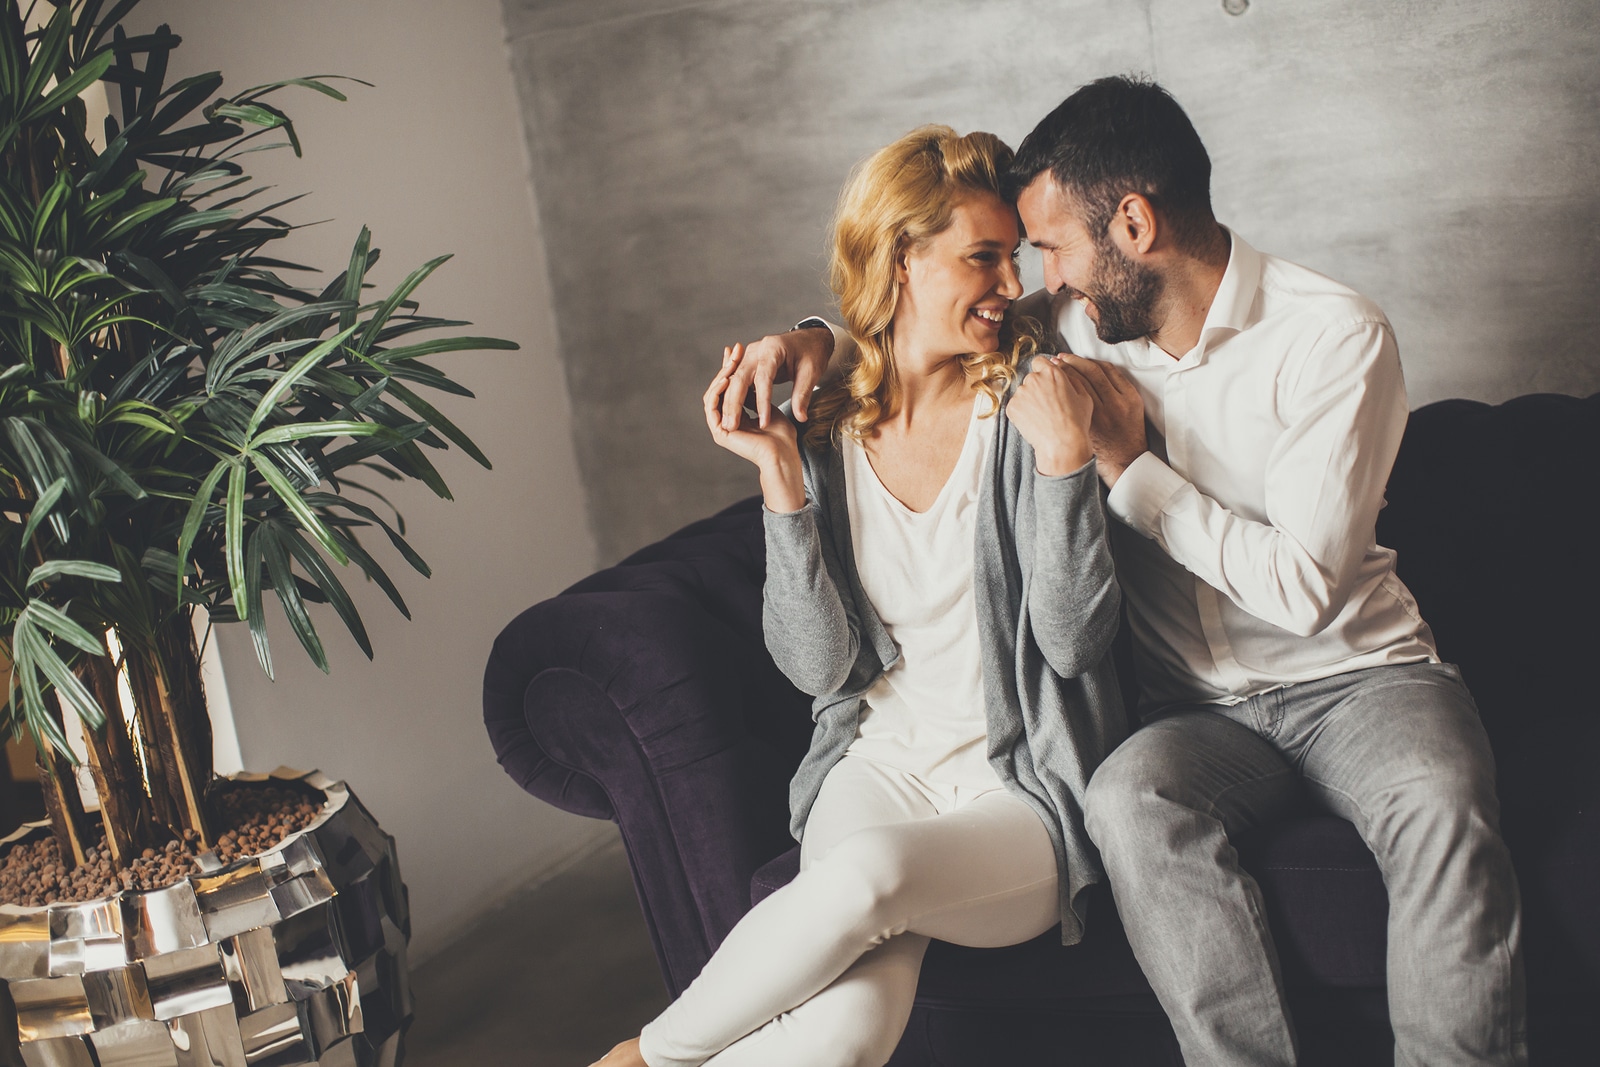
(624, 1055)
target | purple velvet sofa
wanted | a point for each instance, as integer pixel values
(644, 695)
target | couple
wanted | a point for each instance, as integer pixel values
(939, 575)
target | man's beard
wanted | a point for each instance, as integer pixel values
(1124, 294)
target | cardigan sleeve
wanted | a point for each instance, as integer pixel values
(811, 632)
(1074, 599)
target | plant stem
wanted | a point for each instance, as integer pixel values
(164, 674)
(124, 805)
(67, 818)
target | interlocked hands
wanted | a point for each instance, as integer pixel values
(800, 356)
(1069, 408)
(1116, 429)
(770, 443)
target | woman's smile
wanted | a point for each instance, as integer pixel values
(958, 285)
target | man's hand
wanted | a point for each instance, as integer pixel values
(1052, 409)
(1117, 430)
(800, 356)
(774, 448)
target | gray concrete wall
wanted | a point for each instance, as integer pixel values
(1440, 157)
(432, 160)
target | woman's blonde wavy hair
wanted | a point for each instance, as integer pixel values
(896, 200)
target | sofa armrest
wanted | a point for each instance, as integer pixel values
(635, 704)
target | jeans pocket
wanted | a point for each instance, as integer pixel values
(1269, 718)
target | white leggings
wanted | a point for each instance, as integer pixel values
(822, 973)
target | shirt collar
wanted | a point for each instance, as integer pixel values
(1230, 311)
(1236, 295)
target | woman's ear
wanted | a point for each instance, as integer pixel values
(902, 263)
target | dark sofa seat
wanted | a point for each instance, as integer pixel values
(644, 695)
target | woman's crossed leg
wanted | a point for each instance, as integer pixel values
(823, 972)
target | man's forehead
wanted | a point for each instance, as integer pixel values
(1049, 212)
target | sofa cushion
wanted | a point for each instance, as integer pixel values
(774, 875)
(1325, 900)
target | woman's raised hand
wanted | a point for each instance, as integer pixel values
(773, 448)
(1117, 431)
(761, 445)
(1052, 410)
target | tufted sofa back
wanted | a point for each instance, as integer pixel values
(1495, 514)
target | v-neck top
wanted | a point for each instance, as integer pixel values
(1047, 606)
(925, 716)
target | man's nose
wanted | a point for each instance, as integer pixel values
(1052, 277)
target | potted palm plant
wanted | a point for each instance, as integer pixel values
(186, 427)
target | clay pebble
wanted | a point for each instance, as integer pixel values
(249, 818)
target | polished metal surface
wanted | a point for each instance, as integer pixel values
(293, 957)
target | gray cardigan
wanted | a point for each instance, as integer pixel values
(1047, 602)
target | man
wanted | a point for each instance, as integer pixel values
(1248, 412)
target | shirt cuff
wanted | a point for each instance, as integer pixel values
(1088, 468)
(1142, 492)
(800, 517)
(841, 336)
(792, 539)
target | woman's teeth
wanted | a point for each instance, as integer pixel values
(996, 317)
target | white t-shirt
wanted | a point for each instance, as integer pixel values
(926, 714)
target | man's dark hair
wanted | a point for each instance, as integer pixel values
(1117, 136)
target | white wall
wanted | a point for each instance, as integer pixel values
(433, 160)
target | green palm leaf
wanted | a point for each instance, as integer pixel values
(294, 608)
(179, 414)
(71, 87)
(290, 497)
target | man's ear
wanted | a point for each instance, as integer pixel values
(1135, 226)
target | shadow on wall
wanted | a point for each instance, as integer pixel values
(686, 157)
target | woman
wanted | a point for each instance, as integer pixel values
(938, 577)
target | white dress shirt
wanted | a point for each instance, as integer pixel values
(1256, 563)
(1247, 547)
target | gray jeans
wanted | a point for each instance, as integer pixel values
(1401, 753)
